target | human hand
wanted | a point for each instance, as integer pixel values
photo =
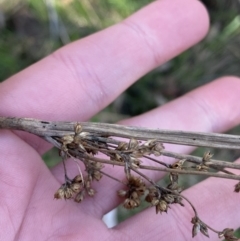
(77, 81)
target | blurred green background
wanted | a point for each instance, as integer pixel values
(32, 29)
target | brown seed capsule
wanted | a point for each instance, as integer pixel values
(122, 146)
(169, 198)
(77, 179)
(91, 192)
(155, 202)
(237, 187)
(63, 193)
(77, 128)
(141, 190)
(68, 193)
(207, 156)
(79, 197)
(195, 229)
(59, 194)
(133, 144)
(134, 195)
(122, 193)
(129, 204)
(228, 234)
(162, 206)
(76, 187)
(67, 139)
(97, 175)
(204, 230)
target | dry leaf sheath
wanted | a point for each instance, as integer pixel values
(84, 141)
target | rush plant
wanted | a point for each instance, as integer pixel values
(134, 149)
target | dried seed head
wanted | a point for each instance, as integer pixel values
(67, 139)
(207, 156)
(122, 193)
(168, 198)
(68, 193)
(178, 164)
(97, 175)
(162, 206)
(204, 230)
(133, 144)
(154, 202)
(153, 194)
(134, 181)
(64, 192)
(237, 187)
(178, 199)
(173, 186)
(91, 192)
(141, 190)
(76, 187)
(228, 234)
(122, 146)
(134, 195)
(59, 194)
(77, 179)
(135, 162)
(195, 229)
(77, 128)
(79, 197)
(130, 204)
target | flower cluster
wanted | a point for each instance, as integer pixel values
(130, 155)
(136, 189)
(79, 186)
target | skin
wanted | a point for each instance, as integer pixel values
(76, 82)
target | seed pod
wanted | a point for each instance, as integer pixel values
(168, 198)
(195, 229)
(133, 144)
(77, 179)
(67, 139)
(207, 156)
(122, 146)
(237, 187)
(59, 194)
(97, 175)
(77, 128)
(76, 187)
(79, 197)
(155, 202)
(68, 193)
(134, 195)
(162, 206)
(204, 230)
(122, 193)
(91, 192)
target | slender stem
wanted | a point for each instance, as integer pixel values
(191, 172)
(198, 160)
(57, 128)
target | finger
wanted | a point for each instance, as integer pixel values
(216, 203)
(200, 110)
(27, 188)
(80, 79)
(18, 176)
